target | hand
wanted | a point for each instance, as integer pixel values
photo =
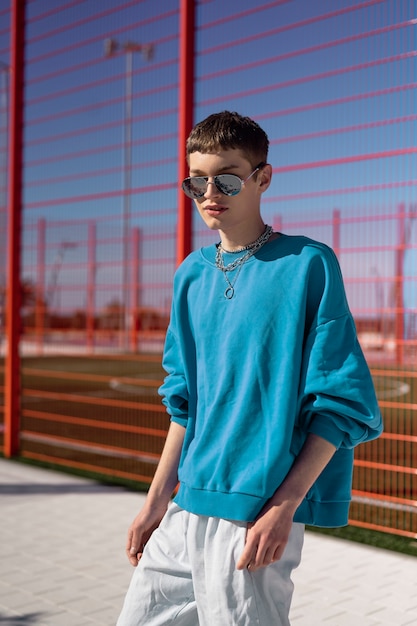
(266, 537)
(140, 531)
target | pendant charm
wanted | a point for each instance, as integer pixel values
(238, 263)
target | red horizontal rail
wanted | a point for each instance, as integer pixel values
(91, 448)
(99, 150)
(84, 399)
(386, 467)
(381, 499)
(107, 80)
(98, 105)
(246, 13)
(378, 498)
(59, 418)
(81, 21)
(395, 373)
(366, 95)
(383, 529)
(337, 191)
(399, 437)
(326, 132)
(101, 378)
(324, 45)
(99, 219)
(86, 467)
(309, 78)
(91, 128)
(298, 24)
(355, 158)
(90, 174)
(99, 196)
(55, 10)
(128, 27)
(386, 404)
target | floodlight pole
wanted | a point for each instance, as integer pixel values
(111, 46)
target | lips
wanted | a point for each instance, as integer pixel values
(214, 209)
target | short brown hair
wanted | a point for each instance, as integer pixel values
(227, 131)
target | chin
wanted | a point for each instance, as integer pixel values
(213, 223)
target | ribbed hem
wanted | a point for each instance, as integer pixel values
(245, 508)
(323, 514)
(232, 506)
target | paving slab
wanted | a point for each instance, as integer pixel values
(62, 560)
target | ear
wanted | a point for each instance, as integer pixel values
(264, 177)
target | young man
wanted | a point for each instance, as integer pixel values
(268, 393)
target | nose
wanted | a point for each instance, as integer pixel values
(211, 190)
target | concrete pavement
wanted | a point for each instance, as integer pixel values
(62, 560)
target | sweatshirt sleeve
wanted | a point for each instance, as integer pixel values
(337, 395)
(174, 390)
(179, 361)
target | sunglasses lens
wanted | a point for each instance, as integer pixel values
(194, 187)
(229, 184)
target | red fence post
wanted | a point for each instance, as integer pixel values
(91, 283)
(134, 288)
(399, 285)
(336, 232)
(40, 295)
(186, 111)
(14, 296)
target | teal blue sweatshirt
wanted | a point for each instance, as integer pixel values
(250, 377)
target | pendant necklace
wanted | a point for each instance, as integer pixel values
(249, 250)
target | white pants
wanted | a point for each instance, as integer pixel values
(187, 576)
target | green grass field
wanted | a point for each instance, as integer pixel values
(401, 386)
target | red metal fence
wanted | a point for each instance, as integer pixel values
(108, 102)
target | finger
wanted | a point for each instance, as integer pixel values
(133, 547)
(134, 540)
(272, 555)
(135, 554)
(246, 563)
(263, 557)
(256, 563)
(129, 540)
(132, 555)
(249, 552)
(279, 551)
(245, 559)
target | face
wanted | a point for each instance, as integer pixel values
(222, 212)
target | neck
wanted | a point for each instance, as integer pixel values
(236, 242)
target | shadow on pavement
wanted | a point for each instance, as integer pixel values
(42, 489)
(20, 620)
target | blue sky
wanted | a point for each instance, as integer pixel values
(330, 81)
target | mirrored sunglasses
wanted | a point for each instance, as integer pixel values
(228, 184)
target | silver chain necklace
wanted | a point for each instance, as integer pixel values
(250, 249)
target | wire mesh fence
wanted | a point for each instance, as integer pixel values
(332, 83)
